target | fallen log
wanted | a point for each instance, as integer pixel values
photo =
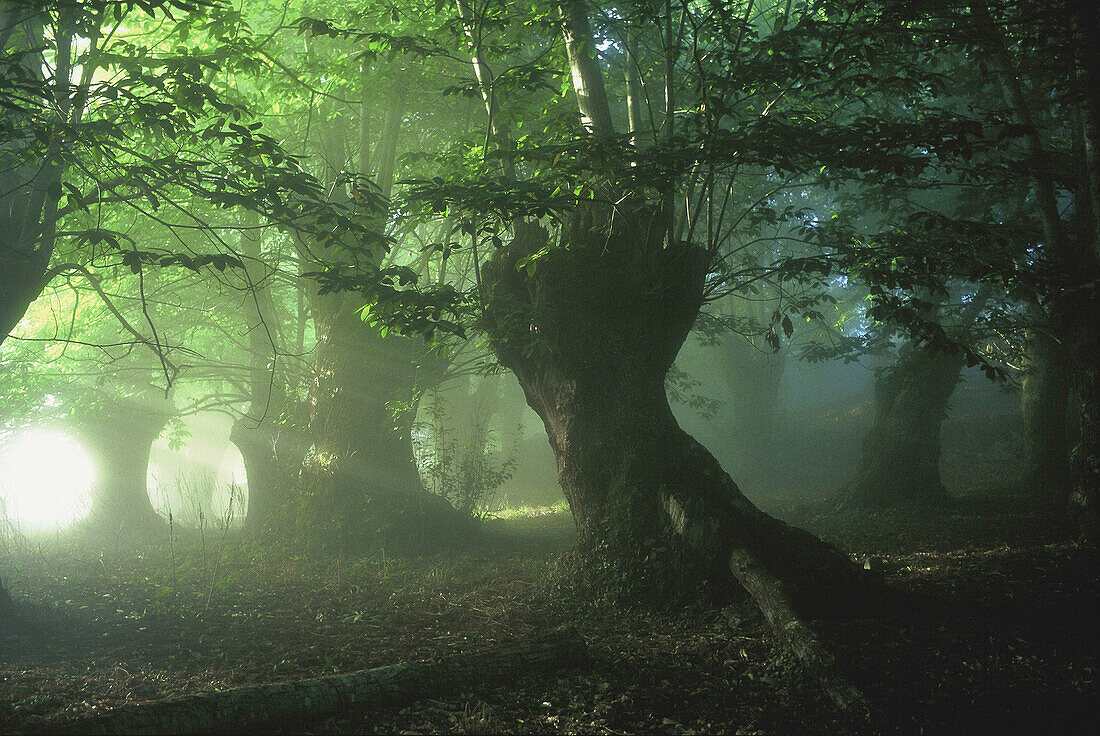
(244, 707)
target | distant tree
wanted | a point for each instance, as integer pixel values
(118, 433)
(899, 463)
(1016, 82)
(360, 485)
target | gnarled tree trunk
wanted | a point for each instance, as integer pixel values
(590, 335)
(900, 459)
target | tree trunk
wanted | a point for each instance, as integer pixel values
(361, 473)
(1085, 499)
(119, 439)
(1044, 402)
(1073, 245)
(584, 67)
(1085, 458)
(271, 452)
(590, 335)
(28, 202)
(272, 456)
(900, 459)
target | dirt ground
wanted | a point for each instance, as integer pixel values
(999, 635)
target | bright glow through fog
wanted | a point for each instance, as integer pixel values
(45, 481)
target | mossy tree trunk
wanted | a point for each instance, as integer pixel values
(590, 330)
(272, 455)
(360, 488)
(899, 462)
(590, 335)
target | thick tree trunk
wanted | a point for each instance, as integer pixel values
(900, 459)
(22, 280)
(590, 336)
(28, 207)
(1085, 458)
(119, 440)
(272, 456)
(361, 473)
(1044, 402)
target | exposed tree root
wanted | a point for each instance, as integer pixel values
(770, 594)
(232, 710)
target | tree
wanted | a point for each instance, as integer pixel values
(269, 433)
(361, 488)
(590, 319)
(899, 463)
(1044, 403)
(1034, 73)
(106, 109)
(118, 432)
(1071, 241)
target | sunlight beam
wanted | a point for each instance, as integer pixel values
(46, 481)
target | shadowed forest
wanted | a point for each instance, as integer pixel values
(556, 366)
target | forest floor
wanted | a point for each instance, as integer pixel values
(1000, 637)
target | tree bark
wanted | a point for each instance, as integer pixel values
(590, 335)
(247, 707)
(364, 490)
(1044, 401)
(119, 437)
(900, 459)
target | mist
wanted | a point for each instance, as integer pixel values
(566, 367)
